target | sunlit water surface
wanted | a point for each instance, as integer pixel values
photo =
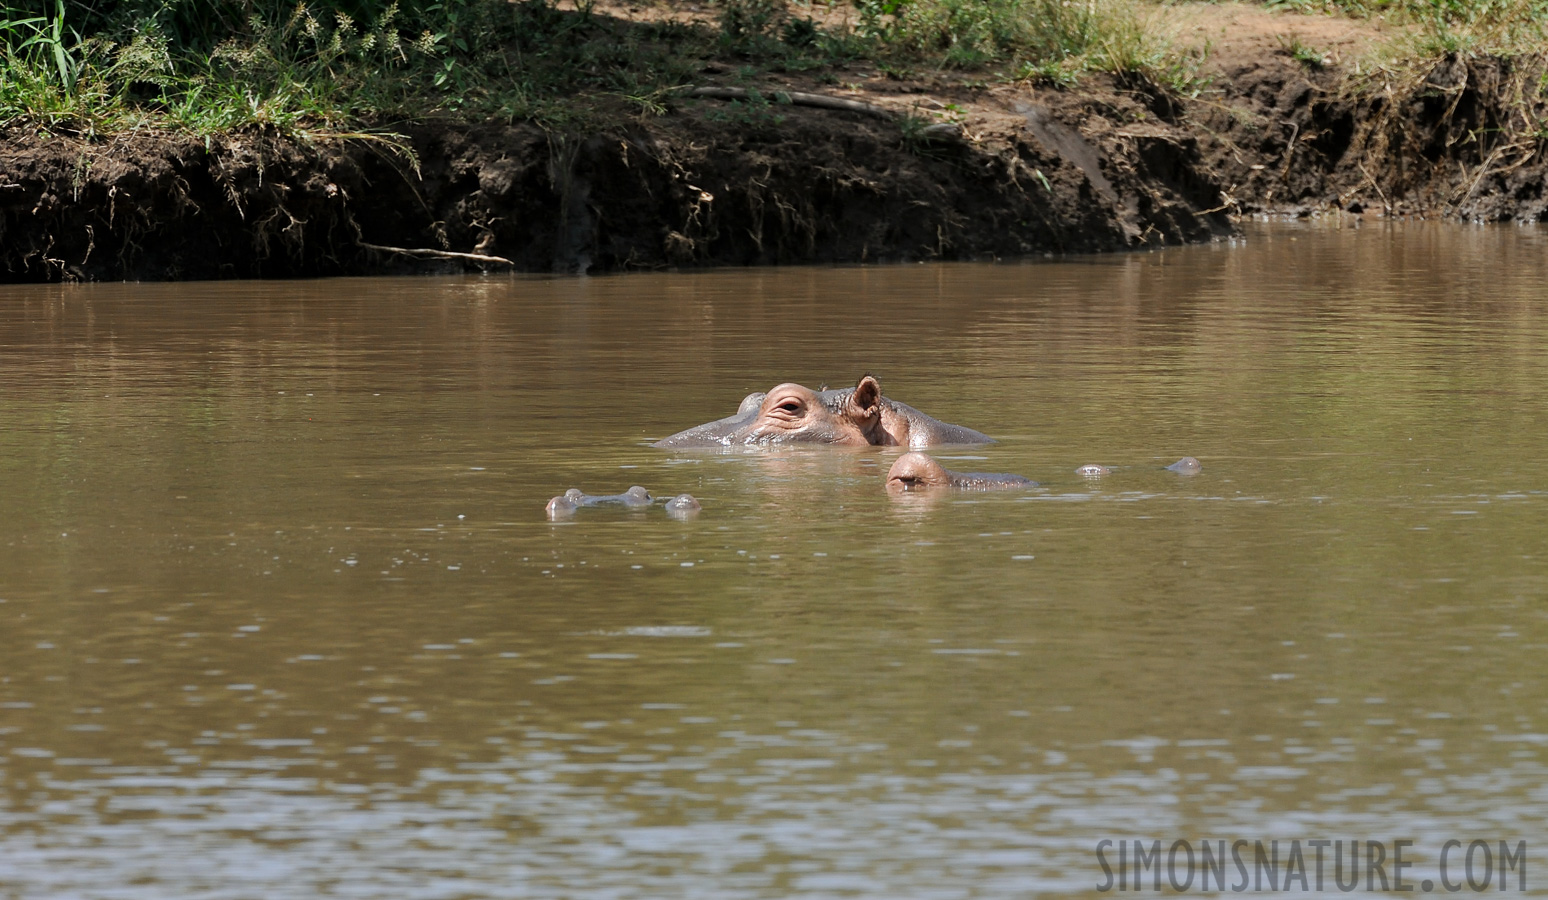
(283, 617)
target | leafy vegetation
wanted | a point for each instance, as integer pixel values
(320, 66)
(1050, 41)
(1304, 53)
(1440, 27)
(328, 65)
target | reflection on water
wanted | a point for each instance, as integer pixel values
(283, 615)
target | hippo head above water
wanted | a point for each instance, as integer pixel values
(793, 414)
(915, 471)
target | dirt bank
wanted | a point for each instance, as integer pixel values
(786, 184)
(935, 168)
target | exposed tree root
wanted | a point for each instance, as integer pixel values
(423, 253)
(795, 98)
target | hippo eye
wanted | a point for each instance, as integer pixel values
(790, 406)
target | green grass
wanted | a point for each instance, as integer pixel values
(332, 66)
(211, 66)
(1303, 53)
(315, 66)
(1441, 27)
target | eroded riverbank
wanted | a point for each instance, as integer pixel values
(926, 167)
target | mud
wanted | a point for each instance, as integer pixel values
(1457, 140)
(1113, 165)
(692, 188)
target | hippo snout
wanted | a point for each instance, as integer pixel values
(914, 471)
(561, 507)
(917, 470)
(683, 506)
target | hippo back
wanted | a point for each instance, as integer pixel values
(927, 431)
(710, 434)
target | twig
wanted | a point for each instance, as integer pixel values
(1230, 201)
(1386, 204)
(1295, 132)
(1459, 90)
(796, 98)
(1484, 171)
(439, 254)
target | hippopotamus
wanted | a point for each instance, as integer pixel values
(793, 414)
(917, 470)
(634, 498)
(561, 506)
(1185, 466)
(567, 503)
(683, 506)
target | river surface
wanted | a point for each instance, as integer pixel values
(281, 615)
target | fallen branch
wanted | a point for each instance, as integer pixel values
(440, 254)
(795, 98)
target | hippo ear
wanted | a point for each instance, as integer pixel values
(751, 402)
(867, 395)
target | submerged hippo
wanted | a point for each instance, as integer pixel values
(1185, 466)
(567, 503)
(634, 498)
(792, 414)
(683, 506)
(916, 470)
(560, 507)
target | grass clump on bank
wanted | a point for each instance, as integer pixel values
(1052, 41)
(214, 65)
(1441, 27)
(320, 66)
(1055, 40)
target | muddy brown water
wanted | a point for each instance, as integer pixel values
(282, 615)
